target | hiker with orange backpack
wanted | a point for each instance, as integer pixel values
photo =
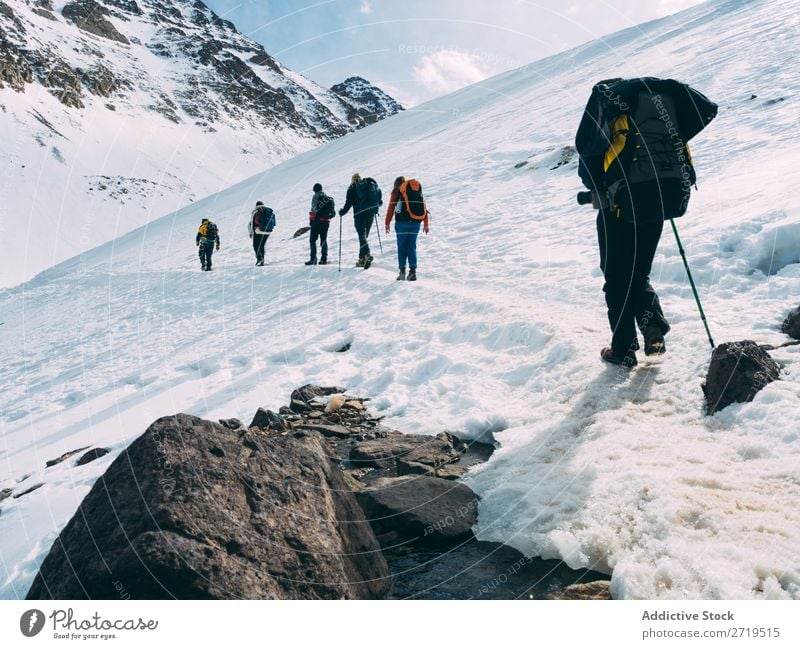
(407, 208)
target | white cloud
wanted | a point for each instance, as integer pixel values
(366, 7)
(448, 70)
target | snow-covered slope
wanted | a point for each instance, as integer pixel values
(500, 337)
(115, 112)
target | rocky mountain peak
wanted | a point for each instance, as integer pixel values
(373, 103)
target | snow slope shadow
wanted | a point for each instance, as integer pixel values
(531, 493)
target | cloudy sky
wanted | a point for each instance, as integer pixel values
(420, 49)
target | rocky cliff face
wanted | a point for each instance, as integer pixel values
(372, 103)
(205, 71)
(132, 108)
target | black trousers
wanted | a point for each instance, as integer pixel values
(319, 230)
(205, 251)
(259, 241)
(363, 225)
(626, 258)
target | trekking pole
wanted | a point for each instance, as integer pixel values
(691, 281)
(378, 230)
(340, 243)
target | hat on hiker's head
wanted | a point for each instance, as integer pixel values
(259, 203)
(204, 221)
(317, 187)
(356, 177)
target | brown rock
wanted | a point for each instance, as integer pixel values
(63, 457)
(91, 456)
(791, 324)
(421, 509)
(593, 590)
(216, 514)
(737, 372)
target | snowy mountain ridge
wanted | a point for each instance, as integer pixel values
(499, 339)
(376, 103)
(118, 111)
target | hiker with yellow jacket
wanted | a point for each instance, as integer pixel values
(207, 238)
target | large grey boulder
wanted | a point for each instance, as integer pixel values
(420, 509)
(194, 510)
(737, 372)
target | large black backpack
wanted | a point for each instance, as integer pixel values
(369, 197)
(651, 177)
(633, 145)
(325, 207)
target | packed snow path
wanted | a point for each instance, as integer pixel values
(499, 339)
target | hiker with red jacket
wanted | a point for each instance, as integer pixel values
(407, 208)
(262, 223)
(322, 211)
(364, 196)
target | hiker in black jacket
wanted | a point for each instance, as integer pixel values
(319, 217)
(207, 238)
(634, 157)
(364, 196)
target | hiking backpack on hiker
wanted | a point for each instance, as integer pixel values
(211, 232)
(633, 147)
(369, 197)
(325, 207)
(411, 202)
(264, 219)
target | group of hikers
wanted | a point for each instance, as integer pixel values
(406, 208)
(634, 159)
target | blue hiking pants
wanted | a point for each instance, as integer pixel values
(407, 233)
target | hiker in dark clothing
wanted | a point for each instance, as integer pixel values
(634, 157)
(262, 222)
(322, 211)
(626, 258)
(364, 196)
(207, 238)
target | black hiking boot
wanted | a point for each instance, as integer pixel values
(402, 276)
(628, 361)
(323, 262)
(312, 262)
(412, 275)
(368, 261)
(654, 344)
(360, 262)
(260, 262)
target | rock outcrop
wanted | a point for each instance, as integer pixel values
(593, 590)
(791, 324)
(737, 372)
(91, 456)
(371, 104)
(420, 509)
(91, 17)
(194, 510)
